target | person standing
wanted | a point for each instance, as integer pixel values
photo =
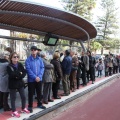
(78, 72)
(4, 90)
(106, 64)
(91, 71)
(58, 74)
(16, 74)
(100, 67)
(73, 74)
(35, 70)
(84, 66)
(110, 63)
(47, 79)
(66, 68)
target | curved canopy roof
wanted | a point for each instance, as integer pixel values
(39, 19)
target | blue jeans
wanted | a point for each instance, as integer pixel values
(100, 73)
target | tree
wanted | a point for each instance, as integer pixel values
(81, 7)
(95, 46)
(107, 24)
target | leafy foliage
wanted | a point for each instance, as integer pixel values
(107, 24)
(81, 7)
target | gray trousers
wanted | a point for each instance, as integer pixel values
(47, 91)
(13, 98)
(66, 84)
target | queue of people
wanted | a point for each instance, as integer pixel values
(44, 76)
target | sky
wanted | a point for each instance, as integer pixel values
(54, 3)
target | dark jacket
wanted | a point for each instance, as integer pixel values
(16, 75)
(67, 65)
(92, 61)
(57, 68)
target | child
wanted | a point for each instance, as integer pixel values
(100, 68)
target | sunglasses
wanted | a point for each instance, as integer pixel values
(15, 56)
(33, 49)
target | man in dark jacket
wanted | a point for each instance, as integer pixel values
(35, 69)
(91, 70)
(66, 68)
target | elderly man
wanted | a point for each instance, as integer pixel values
(66, 68)
(35, 69)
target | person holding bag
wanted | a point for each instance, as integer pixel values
(16, 73)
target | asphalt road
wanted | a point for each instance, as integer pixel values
(103, 105)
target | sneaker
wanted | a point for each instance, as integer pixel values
(41, 106)
(30, 109)
(25, 110)
(15, 114)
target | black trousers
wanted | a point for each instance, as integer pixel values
(13, 98)
(32, 86)
(91, 72)
(110, 70)
(84, 76)
(78, 82)
(4, 100)
(115, 69)
(55, 88)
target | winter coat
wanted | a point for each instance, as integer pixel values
(16, 75)
(57, 69)
(74, 63)
(34, 68)
(100, 66)
(47, 76)
(3, 75)
(85, 62)
(110, 63)
(67, 65)
(92, 62)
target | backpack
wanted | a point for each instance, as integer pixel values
(100, 67)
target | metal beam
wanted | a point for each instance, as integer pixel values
(31, 40)
(21, 39)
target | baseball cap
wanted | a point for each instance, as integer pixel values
(34, 47)
(39, 49)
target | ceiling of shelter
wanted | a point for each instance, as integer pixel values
(38, 19)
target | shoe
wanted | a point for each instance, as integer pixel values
(45, 102)
(15, 114)
(92, 82)
(25, 110)
(57, 97)
(30, 109)
(50, 100)
(41, 106)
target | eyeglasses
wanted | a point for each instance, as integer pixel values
(33, 49)
(15, 56)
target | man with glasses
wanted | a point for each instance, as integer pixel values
(35, 69)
